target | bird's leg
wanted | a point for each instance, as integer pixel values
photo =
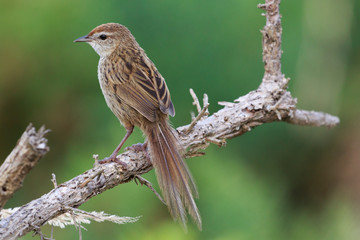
(112, 157)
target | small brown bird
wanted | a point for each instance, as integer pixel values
(137, 94)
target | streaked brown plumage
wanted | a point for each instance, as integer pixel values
(137, 94)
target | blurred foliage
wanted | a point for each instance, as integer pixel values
(276, 182)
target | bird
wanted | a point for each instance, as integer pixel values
(137, 94)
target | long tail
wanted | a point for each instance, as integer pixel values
(174, 178)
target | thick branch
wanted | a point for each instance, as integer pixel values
(72, 193)
(27, 152)
(233, 120)
(272, 44)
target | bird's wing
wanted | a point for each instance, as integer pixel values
(146, 90)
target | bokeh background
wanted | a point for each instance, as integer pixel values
(278, 181)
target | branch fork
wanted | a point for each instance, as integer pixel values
(202, 112)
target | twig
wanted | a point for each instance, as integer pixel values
(215, 141)
(53, 180)
(52, 233)
(198, 117)
(194, 154)
(202, 112)
(196, 100)
(206, 103)
(312, 118)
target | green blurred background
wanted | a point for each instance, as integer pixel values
(278, 181)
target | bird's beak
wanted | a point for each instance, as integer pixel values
(85, 38)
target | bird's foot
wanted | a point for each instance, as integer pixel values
(112, 158)
(139, 147)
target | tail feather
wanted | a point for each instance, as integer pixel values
(175, 180)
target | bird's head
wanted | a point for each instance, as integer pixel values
(107, 37)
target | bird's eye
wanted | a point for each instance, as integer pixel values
(102, 36)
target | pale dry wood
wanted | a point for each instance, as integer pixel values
(30, 148)
(269, 103)
(72, 194)
(80, 217)
(312, 118)
(196, 102)
(202, 112)
(248, 112)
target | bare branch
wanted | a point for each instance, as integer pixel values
(72, 194)
(272, 41)
(312, 118)
(30, 148)
(196, 100)
(53, 180)
(75, 216)
(202, 113)
(206, 103)
(270, 102)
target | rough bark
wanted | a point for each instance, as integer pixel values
(30, 148)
